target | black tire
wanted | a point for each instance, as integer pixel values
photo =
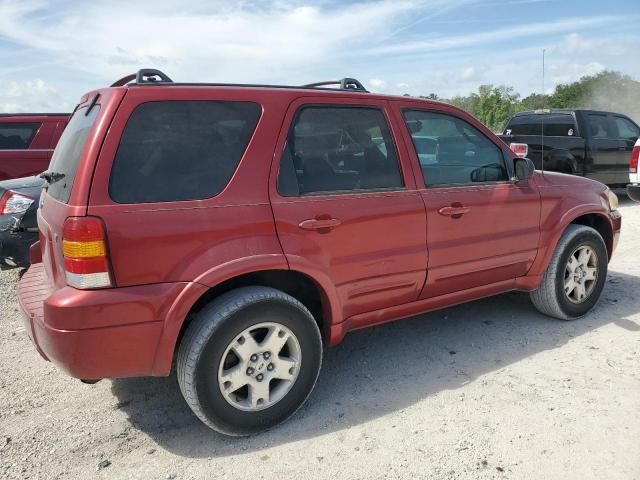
(549, 298)
(212, 331)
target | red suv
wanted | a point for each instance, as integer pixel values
(236, 230)
(27, 141)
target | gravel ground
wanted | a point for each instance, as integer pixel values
(490, 389)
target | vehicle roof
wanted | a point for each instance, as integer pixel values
(569, 111)
(31, 114)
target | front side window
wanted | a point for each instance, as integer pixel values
(17, 136)
(626, 129)
(338, 149)
(181, 150)
(452, 152)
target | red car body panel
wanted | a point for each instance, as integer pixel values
(166, 256)
(34, 159)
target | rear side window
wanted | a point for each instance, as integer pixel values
(338, 149)
(68, 152)
(555, 125)
(600, 126)
(181, 150)
(17, 136)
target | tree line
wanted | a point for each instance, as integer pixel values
(607, 90)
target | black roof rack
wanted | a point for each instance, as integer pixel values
(150, 76)
(144, 76)
(345, 84)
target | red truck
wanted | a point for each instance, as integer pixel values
(27, 141)
(238, 230)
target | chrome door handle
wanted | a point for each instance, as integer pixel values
(319, 224)
(454, 212)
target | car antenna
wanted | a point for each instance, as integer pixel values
(542, 119)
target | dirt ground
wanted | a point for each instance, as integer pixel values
(486, 390)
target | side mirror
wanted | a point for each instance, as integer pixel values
(524, 169)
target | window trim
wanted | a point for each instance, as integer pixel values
(29, 142)
(190, 200)
(511, 180)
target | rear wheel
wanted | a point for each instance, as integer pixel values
(574, 280)
(249, 360)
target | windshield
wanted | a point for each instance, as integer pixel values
(68, 152)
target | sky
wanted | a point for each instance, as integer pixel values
(52, 52)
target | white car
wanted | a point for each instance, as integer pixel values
(633, 189)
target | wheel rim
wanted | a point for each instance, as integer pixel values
(259, 366)
(581, 274)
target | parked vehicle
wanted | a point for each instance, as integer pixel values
(240, 229)
(633, 189)
(588, 143)
(18, 226)
(27, 141)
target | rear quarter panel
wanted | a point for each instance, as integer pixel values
(197, 240)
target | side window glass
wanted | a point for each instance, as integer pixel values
(626, 129)
(452, 152)
(181, 150)
(17, 136)
(599, 126)
(338, 149)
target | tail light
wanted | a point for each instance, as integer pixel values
(85, 253)
(633, 164)
(13, 203)
(520, 149)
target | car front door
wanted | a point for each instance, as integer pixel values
(482, 226)
(345, 203)
(627, 134)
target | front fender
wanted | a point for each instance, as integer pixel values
(550, 237)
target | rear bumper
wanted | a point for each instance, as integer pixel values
(633, 191)
(96, 334)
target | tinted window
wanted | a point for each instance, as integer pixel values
(626, 128)
(183, 150)
(451, 151)
(337, 149)
(17, 136)
(68, 152)
(599, 126)
(555, 125)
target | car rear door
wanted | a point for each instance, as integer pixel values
(24, 146)
(345, 204)
(605, 149)
(483, 227)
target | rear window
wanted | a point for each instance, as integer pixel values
(555, 125)
(68, 152)
(17, 136)
(181, 150)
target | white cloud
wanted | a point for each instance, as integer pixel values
(32, 95)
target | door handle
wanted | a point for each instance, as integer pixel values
(319, 224)
(454, 211)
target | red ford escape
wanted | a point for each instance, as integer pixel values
(236, 230)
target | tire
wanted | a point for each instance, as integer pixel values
(550, 297)
(212, 342)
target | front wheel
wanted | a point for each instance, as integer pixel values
(574, 280)
(249, 360)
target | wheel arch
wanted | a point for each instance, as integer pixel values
(313, 292)
(586, 215)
